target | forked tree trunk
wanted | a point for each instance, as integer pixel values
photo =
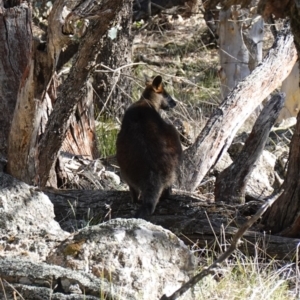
(35, 98)
(233, 52)
(73, 88)
(240, 49)
(31, 83)
(219, 131)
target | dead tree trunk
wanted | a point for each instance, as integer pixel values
(35, 94)
(32, 84)
(219, 131)
(233, 53)
(231, 183)
(15, 53)
(283, 217)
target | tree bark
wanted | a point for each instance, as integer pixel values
(112, 82)
(81, 135)
(283, 217)
(184, 215)
(231, 183)
(15, 59)
(219, 131)
(73, 88)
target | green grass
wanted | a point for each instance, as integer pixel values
(107, 132)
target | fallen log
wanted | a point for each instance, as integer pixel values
(191, 218)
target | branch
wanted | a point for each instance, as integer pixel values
(236, 239)
(217, 135)
(231, 183)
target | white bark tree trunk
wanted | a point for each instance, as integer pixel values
(290, 86)
(240, 49)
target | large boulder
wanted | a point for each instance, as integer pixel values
(143, 260)
(27, 225)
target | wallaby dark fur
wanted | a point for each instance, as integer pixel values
(148, 149)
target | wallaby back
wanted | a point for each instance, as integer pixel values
(148, 149)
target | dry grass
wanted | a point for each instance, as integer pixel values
(246, 277)
(249, 278)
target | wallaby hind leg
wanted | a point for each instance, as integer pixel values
(134, 194)
(149, 198)
(166, 193)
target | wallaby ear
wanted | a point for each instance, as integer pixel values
(157, 82)
(148, 80)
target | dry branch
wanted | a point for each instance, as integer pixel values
(235, 241)
(231, 183)
(221, 128)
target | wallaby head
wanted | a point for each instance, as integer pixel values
(157, 95)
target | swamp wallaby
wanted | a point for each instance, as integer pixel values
(148, 149)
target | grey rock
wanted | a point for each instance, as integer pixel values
(34, 280)
(143, 260)
(26, 221)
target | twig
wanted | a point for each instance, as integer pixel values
(116, 71)
(235, 241)
(13, 288)
(3, 288)
(297, 271)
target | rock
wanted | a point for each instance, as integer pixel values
(126, 258)
(262, 179)
(143, 260)
(222, 163)
(27, 225)
(41, 281)
(235, 148)
(282, 153)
